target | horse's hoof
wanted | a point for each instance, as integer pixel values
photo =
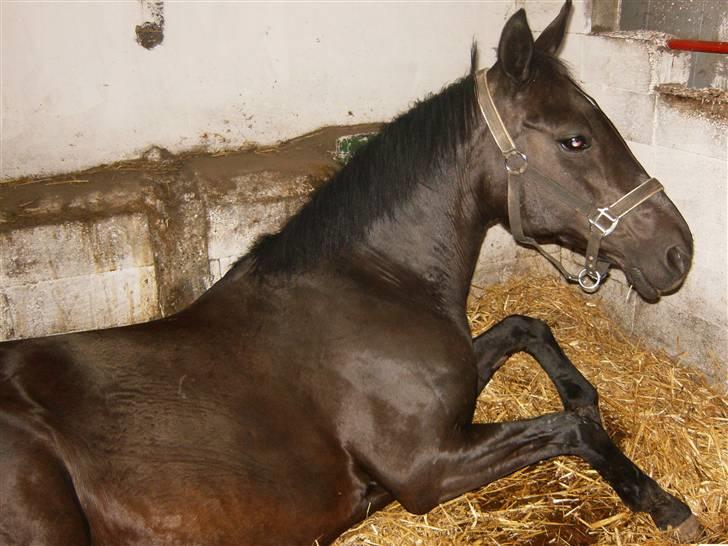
(689, 530)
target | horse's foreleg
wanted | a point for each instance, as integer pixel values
(517, 333)
(481, 453)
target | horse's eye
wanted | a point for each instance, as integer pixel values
(575, 144)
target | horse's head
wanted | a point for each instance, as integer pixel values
(569, 140)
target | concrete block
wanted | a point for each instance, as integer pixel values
(690, 339)
(258, 186)
(234, 228)
(7, 327)
(686, 128)
(219, 267)
(618, 63)
(501, 257)
(215, 273)
(705, 211)
(84, 302)
(670, 66)
(541, 13)
(74, 248)
(45, 252)
(499, 246)
(251, 205)
(633, 15)
(572, 54)
(645, 154)
(487, 273)
(632, 113)
(226, 264)
(121, 242)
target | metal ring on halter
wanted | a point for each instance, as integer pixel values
(586, 274)
(516, 161)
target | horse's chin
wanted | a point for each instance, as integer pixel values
(639, 282)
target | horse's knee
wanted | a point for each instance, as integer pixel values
(538, 330)
(528, 329)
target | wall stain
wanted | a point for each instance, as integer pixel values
(151, 33)
(707, 102)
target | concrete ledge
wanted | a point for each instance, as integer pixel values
(85, 302)
(138, 240)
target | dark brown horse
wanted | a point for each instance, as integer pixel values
(332, 370)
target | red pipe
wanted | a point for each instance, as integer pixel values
(698, 45)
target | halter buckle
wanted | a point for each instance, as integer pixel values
(589, 280)
(516, 161)
(604, 212)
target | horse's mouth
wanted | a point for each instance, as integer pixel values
(639, 282)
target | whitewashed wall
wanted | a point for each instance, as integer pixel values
(78, 90)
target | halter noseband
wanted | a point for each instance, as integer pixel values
(602, 220)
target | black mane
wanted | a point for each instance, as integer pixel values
(380, 176)
(412, 149)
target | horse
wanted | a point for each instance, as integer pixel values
(332, 371)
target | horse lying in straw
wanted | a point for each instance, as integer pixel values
(332, 370)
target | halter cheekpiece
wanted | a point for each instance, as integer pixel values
(602, 220)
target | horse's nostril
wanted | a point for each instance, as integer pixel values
(678, 259)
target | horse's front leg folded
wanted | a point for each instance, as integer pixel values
(478, 454)
(518, 333)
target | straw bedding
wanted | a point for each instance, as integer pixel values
(661, 415)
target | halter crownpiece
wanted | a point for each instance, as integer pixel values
(602, 220)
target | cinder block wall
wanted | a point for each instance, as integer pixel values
(91, 250)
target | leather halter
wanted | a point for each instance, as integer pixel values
(602, 220)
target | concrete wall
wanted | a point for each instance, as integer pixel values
(78, 90)
(95, 249)
(685, 19)
(143, 239)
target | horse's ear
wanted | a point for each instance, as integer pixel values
(552, 36)
(515, 48)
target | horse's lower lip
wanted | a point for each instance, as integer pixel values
(637, 279)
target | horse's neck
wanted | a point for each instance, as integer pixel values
(434, 238)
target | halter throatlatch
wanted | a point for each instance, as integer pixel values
(602, 220)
